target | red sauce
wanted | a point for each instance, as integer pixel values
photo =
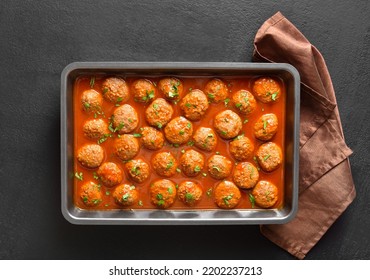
(234, 84)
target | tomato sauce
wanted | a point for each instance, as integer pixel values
(234, 84)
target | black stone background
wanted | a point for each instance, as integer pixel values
(39, 38)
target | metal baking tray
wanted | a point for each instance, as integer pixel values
(282, 215)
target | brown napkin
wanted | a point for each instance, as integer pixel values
(325, 181)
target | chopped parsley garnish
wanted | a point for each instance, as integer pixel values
(211, 96)
(159, 196)
(119, 100)
(187, 104)
(160, 203)
(178, 170)
(137, 135)
(252, 200)
(140, 203)
(169, 165)
(159, 125)
(183, 151)
(197, 168)
(190, 143)
(209, 192)
(79, 176)
(103, 138)
(227, 198)
(266, 157)
(136, 170)
(107, 193)
(188, 125)
(170, 190)
(239, 137)
(86, 105)
(189, 197)
(217, 153)
(274, 95)
(149, 95)
(224, 133)
(92, 82)
(245, 121)
(85, 199)
(125, 197)
(264, 124)
(238, 105)
(176, 145)
(96, 201)
(105, 90)
(226, 101)
(181, 132)
(173, 94)
(204, 174)
(190, 89)
(119, 127)
(96, 177)
(130, 120)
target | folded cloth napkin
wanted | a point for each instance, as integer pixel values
(326, 187)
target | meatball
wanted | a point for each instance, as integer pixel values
(95, 129)
(205, 139)
(126, 147)
(189, 192)
(171, 88)
(191, 163)
(138, 170)
(241, 148)
(266, 90)
(228, 124)
(125, 195)
(143, 90)
(269, 156)
(266, 127)
(125, 119)
(165, 164)
(110, 174)
(244, 101)
(90, 155)
(91, 101)
(151, 138)
(216, 90)
(219, 167)
(265, 194)
(163, 193)
(115, 90)
(194, 104)
(159, 113)
(227, 195)
(178, 131)
(245, 175)
(91, 194)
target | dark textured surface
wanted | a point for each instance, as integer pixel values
(39, 38)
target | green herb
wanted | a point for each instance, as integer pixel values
(183, 151)
(137, 135)
(159, 125)
(187, 104)
(155, 106)
(103, 138)
(189, 197)
(226, 101)
(274, 95)
(79, 176)
(188, 125)
(227, 198)
(177, 186)
(178, 170)
(160, 203)
(245, 121)
(105, 90)
(119, 99)
(140, 203)
(106, 205)
(173, 94)
(96, 201)
(216, 168)
(204, 174)
(92, 82)
(125, 197)
(266, 157)
(169, 165)
(224, 133)
(86, 105)
(149, 95)
(85, 199)
(264, 124)
(119, 127)
(190, 89)
(246, 100)
(96, 177)
(211, 96)
(252, 200)
(197, 168)
(136, 170)
(217, 153)
(181, 132)
(159, 196)
(239, 137)
(238, 105)
(190, 143)
(209, 192)
(130, 120)
(170, 190)
(176, 145)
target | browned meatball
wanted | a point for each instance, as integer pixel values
(216, 90)
(244, 101)
(245, 175)
(143, 90)
(115, 90)
(205, 139)
(266, 90)
(241, 148)
(138, 170)
(269, 156)
(178, 131)
(191, 163)
(90, 155)
(91, 101)
(163, 193)
(171, 88)
(110, 174)
(159, 113)
(189, 192)
(227, 195)
(219, 167)
(265, 194)
(95, 129)
(151, 138)
(164, 164)
(266, 127)
(126, 147)
(228, 124)
(194, 104)
(91, 194)
(125, 119)
(125, 195)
